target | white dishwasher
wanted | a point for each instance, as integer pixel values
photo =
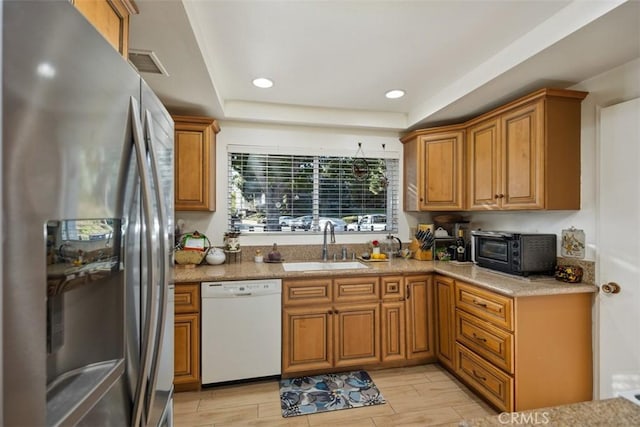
(241, 330)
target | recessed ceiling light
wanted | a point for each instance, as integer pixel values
(263, 83)
(394, 94)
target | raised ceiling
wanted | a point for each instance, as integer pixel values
(332, 61)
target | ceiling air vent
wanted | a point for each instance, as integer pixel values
(145, 61)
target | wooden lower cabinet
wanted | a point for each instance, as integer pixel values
(325, 336)
(371, 321)
(419, 320)
(356, 334)
(393, 331)
(186, 355)
(492, 383)
(320, 336)
(307, 338)
(445, 318)
(186, 360)
(525, 352)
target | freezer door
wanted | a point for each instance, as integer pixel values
(66, 103)
(158, 130)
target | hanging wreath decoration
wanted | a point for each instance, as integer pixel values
(360, 167)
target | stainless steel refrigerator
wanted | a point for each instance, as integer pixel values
(87, 227)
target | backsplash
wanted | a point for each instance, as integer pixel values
(306, 252)
(314, 253)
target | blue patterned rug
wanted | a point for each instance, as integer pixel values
(330, 392)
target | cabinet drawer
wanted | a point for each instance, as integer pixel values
(486, 379)
(392, 287)
(492, 343)
(349, 289)
(187, 298)
(312, 291)
(487, 305)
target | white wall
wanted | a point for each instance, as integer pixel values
(614, 86)
(327, 139)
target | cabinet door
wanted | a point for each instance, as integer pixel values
(307, 291)
(522, 132)
(445, 312)
(110, 18)
(441, 171)
(186, 354)
(187, 298)
(357, 332)
(195, 163)
(356, 289)
(484, 165)
(392, 288)
(307, 339)
(419, 306)
(393, 331)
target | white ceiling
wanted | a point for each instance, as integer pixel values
(332, 61)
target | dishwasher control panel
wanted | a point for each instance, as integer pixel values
(241, 288)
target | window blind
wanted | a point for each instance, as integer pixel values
(301, 193)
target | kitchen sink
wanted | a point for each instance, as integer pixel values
(322, 266)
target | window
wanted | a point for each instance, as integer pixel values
(301, 193)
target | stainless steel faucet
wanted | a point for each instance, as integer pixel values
(325, 252)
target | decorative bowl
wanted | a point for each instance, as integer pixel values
(186, 257)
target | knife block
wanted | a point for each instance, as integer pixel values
(415, 245)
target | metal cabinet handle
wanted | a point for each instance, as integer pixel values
(611, 288)
(477, 375)
(481, 304)
(479, 338)
(408, 291)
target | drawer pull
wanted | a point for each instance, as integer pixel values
(479, 338)
(477, 375)
(481, 304)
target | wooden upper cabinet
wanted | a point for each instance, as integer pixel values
(523, 155)
(433, 169)
(483, 146)
(195, 151)
(111, 19)
(505, 161)
(526, 154)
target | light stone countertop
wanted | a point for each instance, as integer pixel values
(608, 412)
(504, 284)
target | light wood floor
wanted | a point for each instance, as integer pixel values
(423, 395)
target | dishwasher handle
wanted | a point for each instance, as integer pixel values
(236, 294)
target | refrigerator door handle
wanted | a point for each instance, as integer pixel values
(162, 240)
(146, 353)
